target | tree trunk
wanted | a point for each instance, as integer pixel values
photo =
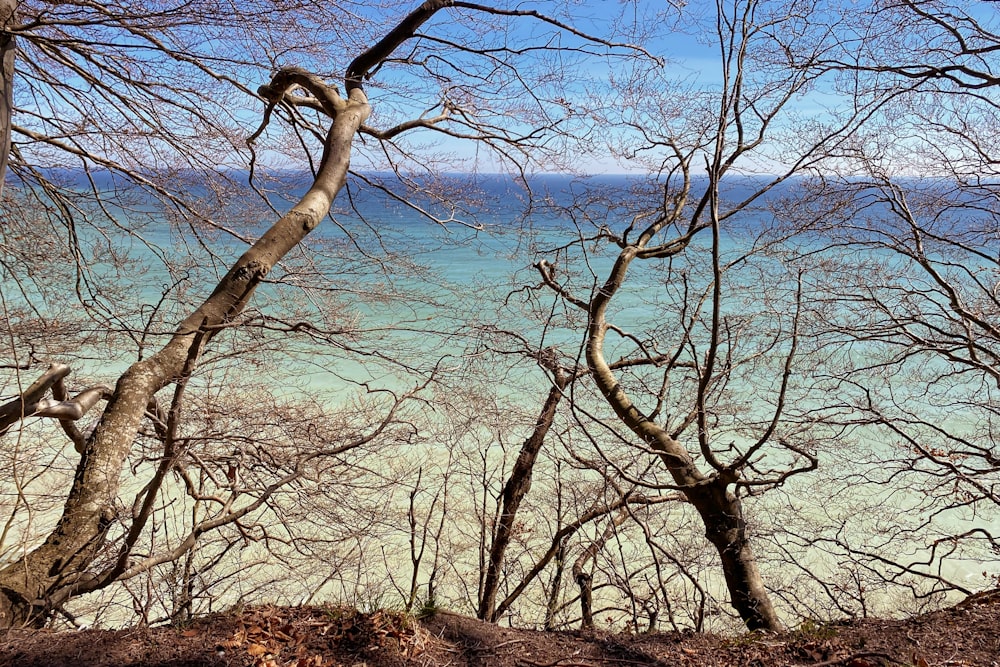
(8, 9)
(42, 580)
(514, 491)
(583, 578)
(725, 528)
(586, 583)
(555, 587)
(718, 508)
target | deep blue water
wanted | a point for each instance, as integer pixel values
(478, 262)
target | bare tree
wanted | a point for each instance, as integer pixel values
(910, 291)
(72, 558)
(519, 482)
(674, 375)
(910, 285)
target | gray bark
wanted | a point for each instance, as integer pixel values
(43, 579)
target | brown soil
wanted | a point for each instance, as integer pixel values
(965, 635)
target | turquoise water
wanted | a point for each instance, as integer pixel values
(408, 293)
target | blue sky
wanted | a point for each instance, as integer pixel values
(688, 55)
(685, 39)
(336, 32)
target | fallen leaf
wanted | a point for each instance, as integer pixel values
(256, 649)
(191, 633)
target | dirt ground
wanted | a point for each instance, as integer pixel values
(965, 635)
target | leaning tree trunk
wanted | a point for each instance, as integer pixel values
(47, 576)
(43, 579)
(517, 487)
(725, 528)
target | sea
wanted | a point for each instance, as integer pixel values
(410, 277)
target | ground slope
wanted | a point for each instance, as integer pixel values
(965, 635)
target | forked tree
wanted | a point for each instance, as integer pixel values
(674, 377)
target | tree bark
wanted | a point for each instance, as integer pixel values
(40, 581)
(555, 587)
(514, 491)
(8, 14)
(586, 583)
(725, 528)
(584, 579)
(26, 404)
(718, 507)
